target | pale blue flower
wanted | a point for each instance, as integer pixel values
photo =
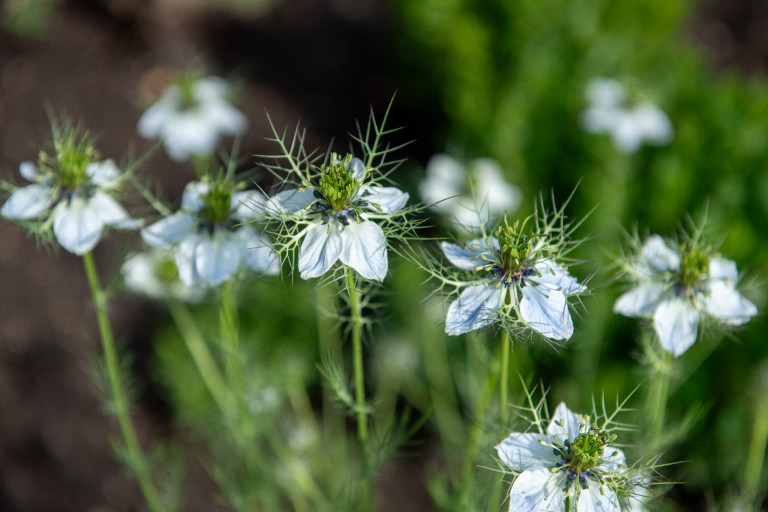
(629, 124)
(533, 289)
(191, 116)
(154, 274)
(209, 237)
(678, 288)
(79, 214)
(572, 461)
(341, 224)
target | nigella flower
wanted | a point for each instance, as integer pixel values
(679, 287)
(338, 218)
(472, 195)
(70, 192)
(191, 116)
(629, 124)
(208, 235)
(154, 274)
(512, 276)
(571, 466)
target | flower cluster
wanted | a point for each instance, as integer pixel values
(629, 124)
(208, 235)
(471, 196)
(678, 287)
(190, 117)
(514, 278)
(570, 466)
(70, 194)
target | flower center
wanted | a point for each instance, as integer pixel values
(587, 449)
(217, 203)
(186, 87)
(514, 251)
(166, 270)
(73, 154)
(694, 265)
(338, 185)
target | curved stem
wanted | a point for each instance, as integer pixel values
(136, 458)
(355, 306)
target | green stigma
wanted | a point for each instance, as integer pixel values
(186, 84)
(514, 245)
(217, 203)
(167, 271)
(694, 264)
(74, 153)
(587, 449)
(338, 184)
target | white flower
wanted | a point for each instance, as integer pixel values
(75, 201)
(630, 125)
(571, 462)
(155, 275)
(190, 117)
(208, 235)
(471, 196)
(678, 288)
(513, 281)
(340, 214)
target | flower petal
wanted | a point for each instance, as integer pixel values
(565, 424)
(652, 124)
(597, 498)
(546, 311)
(108, 210)
(27, 202)
(538, 490)
(613, 459)
(659, 256)
(725, 303)
(290, 201)
(358, 169)
(102, 173)
(257, 252)
(384, 199)
(721, 268)
(556, 277)
(676, 322)
(217, 257)
(524, 451)
(320, 249)
(248, 205)
(491, 189)
(476, 307)
(468, 257)
(193, 198)
(365, 249)
(28, 171)
(77, 226)
(640, 301)
(170, 230)
(185, 260)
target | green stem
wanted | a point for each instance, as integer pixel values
(355, 306)
(204, 360)
(136, 457)
(658, 397)
(756, 455)
(504, 379)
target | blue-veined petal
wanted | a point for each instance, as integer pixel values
(387, 199)
(290, 201)
(27, 202)
(597, 498)
(476, 307)
(641, 301)
(320, 249)
(77, 226)
(726, 304)
(217, 257)
(364, 249)
(524, 451)
(170, 230)
(546, 311)
(538, 490)
(473, 254)
(676, 323)
(613, 459)
(358, 169)
(554, 276)
(565, 424)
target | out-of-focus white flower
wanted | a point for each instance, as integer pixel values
(70, 192)
(629, 124)
(676, 288)
(191, 116)
(571, 463)
(471, 196)
(513, 279)
(209, 237)
(339, 217)
(155, 275)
